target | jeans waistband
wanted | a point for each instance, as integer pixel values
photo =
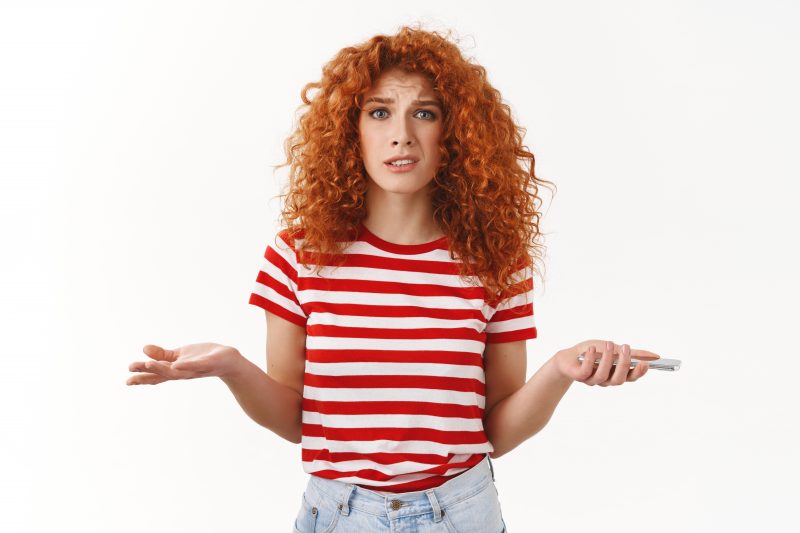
(452, 491)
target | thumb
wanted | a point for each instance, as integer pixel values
(644, 355)
(158, 353)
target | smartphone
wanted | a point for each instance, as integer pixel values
(658, 364)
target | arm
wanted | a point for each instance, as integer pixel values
(274, 399)
(522, 410)
(527, 408)
(267, 401)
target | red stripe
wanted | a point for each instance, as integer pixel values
(450, 410)
(375, 475)
(385, 263)
(395, 382)
(383, 458)
(397, 311)
(279, 287)
(274, 308)
(521, 287)
(277, 259)
(390, 287)
(324, 330)
(394, 356)
(395, 434)
(521, 311)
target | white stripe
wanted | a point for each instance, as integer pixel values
(396, 369)
(269, 293)
(392, 322)
(365, 248)
(400, 468)
(414, 277)
(314, 342)
(410, 421)
(404, 477)
(391, 446)
(393, 395)
(513, 324)
(395, 299)
(516, 300)
(284, 251)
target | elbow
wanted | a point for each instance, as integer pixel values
(496, 454)
(294, 438)
(297, 437)
(497, 451)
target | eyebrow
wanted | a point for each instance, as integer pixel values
(380, 100)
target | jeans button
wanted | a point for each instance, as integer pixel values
(313, 510)
(396, 504)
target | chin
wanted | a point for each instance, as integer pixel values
(400, 183)
(400, 188)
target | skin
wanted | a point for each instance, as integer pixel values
(603, 374)
(396, 128)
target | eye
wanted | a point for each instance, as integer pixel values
(432, 115)
(372, 113)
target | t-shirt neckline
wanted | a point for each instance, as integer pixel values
(371, 238)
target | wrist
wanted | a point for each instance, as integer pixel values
(559, 362)
(236, 366)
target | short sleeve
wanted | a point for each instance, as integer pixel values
(513, 318)
(276, 285)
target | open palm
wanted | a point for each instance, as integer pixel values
(187, 362)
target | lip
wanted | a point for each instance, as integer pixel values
(404, 168)
(397, 157)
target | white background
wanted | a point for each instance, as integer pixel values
(137, 198)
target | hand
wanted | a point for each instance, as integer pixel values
(586, 371)
(187, 362)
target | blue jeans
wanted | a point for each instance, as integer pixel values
(467, 503)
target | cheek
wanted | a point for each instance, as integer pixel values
(432, 144)
(368, 142)
(432, 136)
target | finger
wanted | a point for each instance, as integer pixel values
(146, 379)
(638, 371)
(587, 367)
(162, 368)
(601, 373)
(623, 366)
(138, 366)
(160, 354)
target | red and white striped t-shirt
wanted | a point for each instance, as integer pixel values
(394, 385)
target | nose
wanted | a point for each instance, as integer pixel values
(403, 135)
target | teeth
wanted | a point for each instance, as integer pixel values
(401, 162)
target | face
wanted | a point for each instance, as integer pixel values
(401, 118)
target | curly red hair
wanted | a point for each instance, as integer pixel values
(486, 193)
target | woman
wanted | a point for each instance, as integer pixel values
(398, 297)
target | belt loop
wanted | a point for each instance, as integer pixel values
(437, 510)
(490, 465)
(344, 505)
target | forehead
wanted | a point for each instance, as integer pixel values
(396, 79)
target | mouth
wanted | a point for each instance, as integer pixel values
(401, 164)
